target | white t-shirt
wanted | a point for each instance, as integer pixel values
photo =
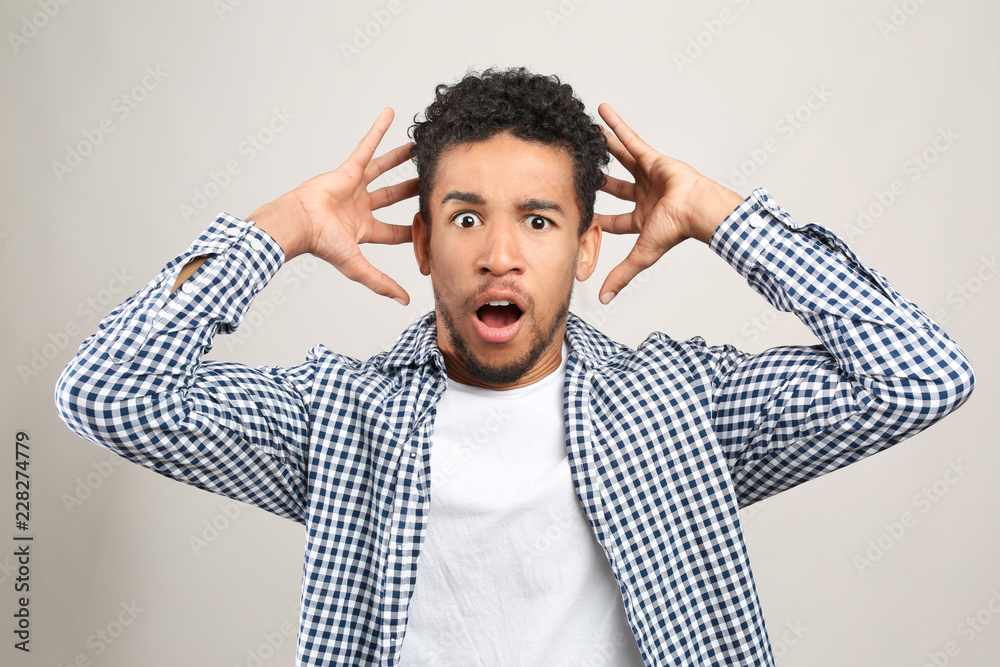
(510, 572)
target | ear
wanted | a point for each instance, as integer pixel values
(590, 248)
(421, 244)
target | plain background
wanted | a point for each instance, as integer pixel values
(842, 580)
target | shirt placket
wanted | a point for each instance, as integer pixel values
(409, 510)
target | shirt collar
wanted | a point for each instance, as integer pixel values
(418, 344)
(594, 348)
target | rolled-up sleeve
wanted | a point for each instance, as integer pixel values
(140, 386)
(883, 370)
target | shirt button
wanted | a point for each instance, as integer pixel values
(256, 244)
(755, 220)
(188, 287)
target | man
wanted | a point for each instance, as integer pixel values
(563, 498)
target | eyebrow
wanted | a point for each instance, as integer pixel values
(467, 197)
(540, 205)
(524, 205)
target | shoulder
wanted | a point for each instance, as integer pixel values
(415, 348)
(693, 356)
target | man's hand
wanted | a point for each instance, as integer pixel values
(330, 215)
(673, 202)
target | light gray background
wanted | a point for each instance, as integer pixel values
(102, 230)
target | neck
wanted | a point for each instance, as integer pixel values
(550, 360)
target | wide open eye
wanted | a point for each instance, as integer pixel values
(538, 222)
(466, 219)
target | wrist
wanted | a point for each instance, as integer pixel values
(711, 203)
(283, 220)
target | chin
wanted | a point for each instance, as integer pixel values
(510, 361)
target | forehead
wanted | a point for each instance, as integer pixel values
(505, 167)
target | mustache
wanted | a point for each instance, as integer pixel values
(501, 284)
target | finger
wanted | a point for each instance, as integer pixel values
(633, 144)
(618, 150)
(384, 163)
(616, 224)
(391, 194)
(362, 155)
(616, 187)
(641, 257)
(387, 234)
(357, 268)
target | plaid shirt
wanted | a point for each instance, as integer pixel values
(665, 442)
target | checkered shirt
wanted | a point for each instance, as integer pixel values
(665, 442)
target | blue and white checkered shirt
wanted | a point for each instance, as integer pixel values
(665, 442)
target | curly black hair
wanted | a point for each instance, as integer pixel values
(530, 106)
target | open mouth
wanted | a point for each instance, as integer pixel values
(498, 314)
(498, 321)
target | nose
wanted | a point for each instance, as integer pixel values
(501, 252)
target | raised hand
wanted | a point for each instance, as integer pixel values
(673, 202)
(330, 215)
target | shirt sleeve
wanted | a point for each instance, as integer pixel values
(140, 387)
(884, 371)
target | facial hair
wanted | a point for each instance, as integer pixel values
(514, 370)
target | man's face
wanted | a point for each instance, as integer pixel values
(502, 254)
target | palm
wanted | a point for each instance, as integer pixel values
(660, 192)
(338, 208)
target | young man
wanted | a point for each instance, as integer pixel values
(507, 485)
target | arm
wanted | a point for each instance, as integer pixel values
(883, 372)
(140, 387)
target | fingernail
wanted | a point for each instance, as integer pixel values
(606, 297)
(400, 300)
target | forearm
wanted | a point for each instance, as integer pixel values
(883, 373)
(282, 219)
(140, 387)
(162, 334)
(860, 318)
